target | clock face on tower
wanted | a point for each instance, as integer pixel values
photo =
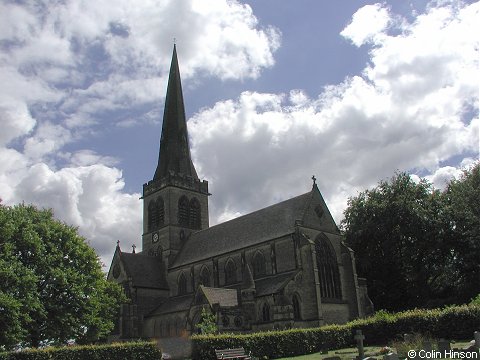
(154, 237)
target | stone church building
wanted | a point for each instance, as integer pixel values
(279, 267)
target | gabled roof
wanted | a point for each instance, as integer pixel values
(221, 296)
(262, 225)
(273, 284)
(145, 271)
(173, 304)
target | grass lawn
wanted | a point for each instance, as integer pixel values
(347, 353)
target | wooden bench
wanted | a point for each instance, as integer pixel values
(237, 353)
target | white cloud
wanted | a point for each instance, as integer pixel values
(89, 197)
(368, 24)
(71, 68)
(15, 119)
(411, 109)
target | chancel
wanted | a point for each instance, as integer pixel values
(279, 267)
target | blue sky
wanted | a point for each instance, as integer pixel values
(275, 92)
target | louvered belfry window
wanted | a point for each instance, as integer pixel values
(195, 214)
(183, 211)
(156, 214)
(160, 205)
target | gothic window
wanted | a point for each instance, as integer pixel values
(296, 307)
(258, 264)
(157, 327)
(328, 273)
(225, 321)
(195, 214)
(230, 272)
(151, 215)
(160, 206)
(168, 329)
(205, 277)
(178, 326)
(156, 214)
(182, 284)
(183, 211)
(266, 312)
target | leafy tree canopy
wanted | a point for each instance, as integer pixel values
(52, 288)
(416, 245)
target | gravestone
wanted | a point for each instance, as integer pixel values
(390, 356)
(427, 346)
(443, 346)
(359, 337)
(476, 335)
(408, 338)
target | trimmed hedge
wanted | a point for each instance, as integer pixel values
(455, 323)
(124, 351)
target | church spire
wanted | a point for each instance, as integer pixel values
(174, 156)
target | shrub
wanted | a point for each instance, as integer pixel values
(124, 351)
(455, 323)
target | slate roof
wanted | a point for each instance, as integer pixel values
(272, 285)
(262, 225)
(174, 304)
(222, 296)
(145, 271)
(174, 154)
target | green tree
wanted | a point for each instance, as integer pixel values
(207, 324)
(52, 288)
(395, 231)
(462, 197)
(417, 246)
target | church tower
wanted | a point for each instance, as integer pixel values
(175, 202)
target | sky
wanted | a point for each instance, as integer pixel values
(275, 91)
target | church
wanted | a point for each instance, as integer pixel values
(279, 267)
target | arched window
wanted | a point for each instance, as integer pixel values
(168, 329)
(157, 328)
(328, 273)
(230, 272)
(258, 265)
(182, 284)
(156, 214)
(178, 325)
(160, 206)
(195, 214)
(151, 215)
(205, 277)
(183, 211)
(266, 312)
(296, 308)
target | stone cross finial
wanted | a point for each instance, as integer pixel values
(133, 248)
(359, 337)
(314, 179)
